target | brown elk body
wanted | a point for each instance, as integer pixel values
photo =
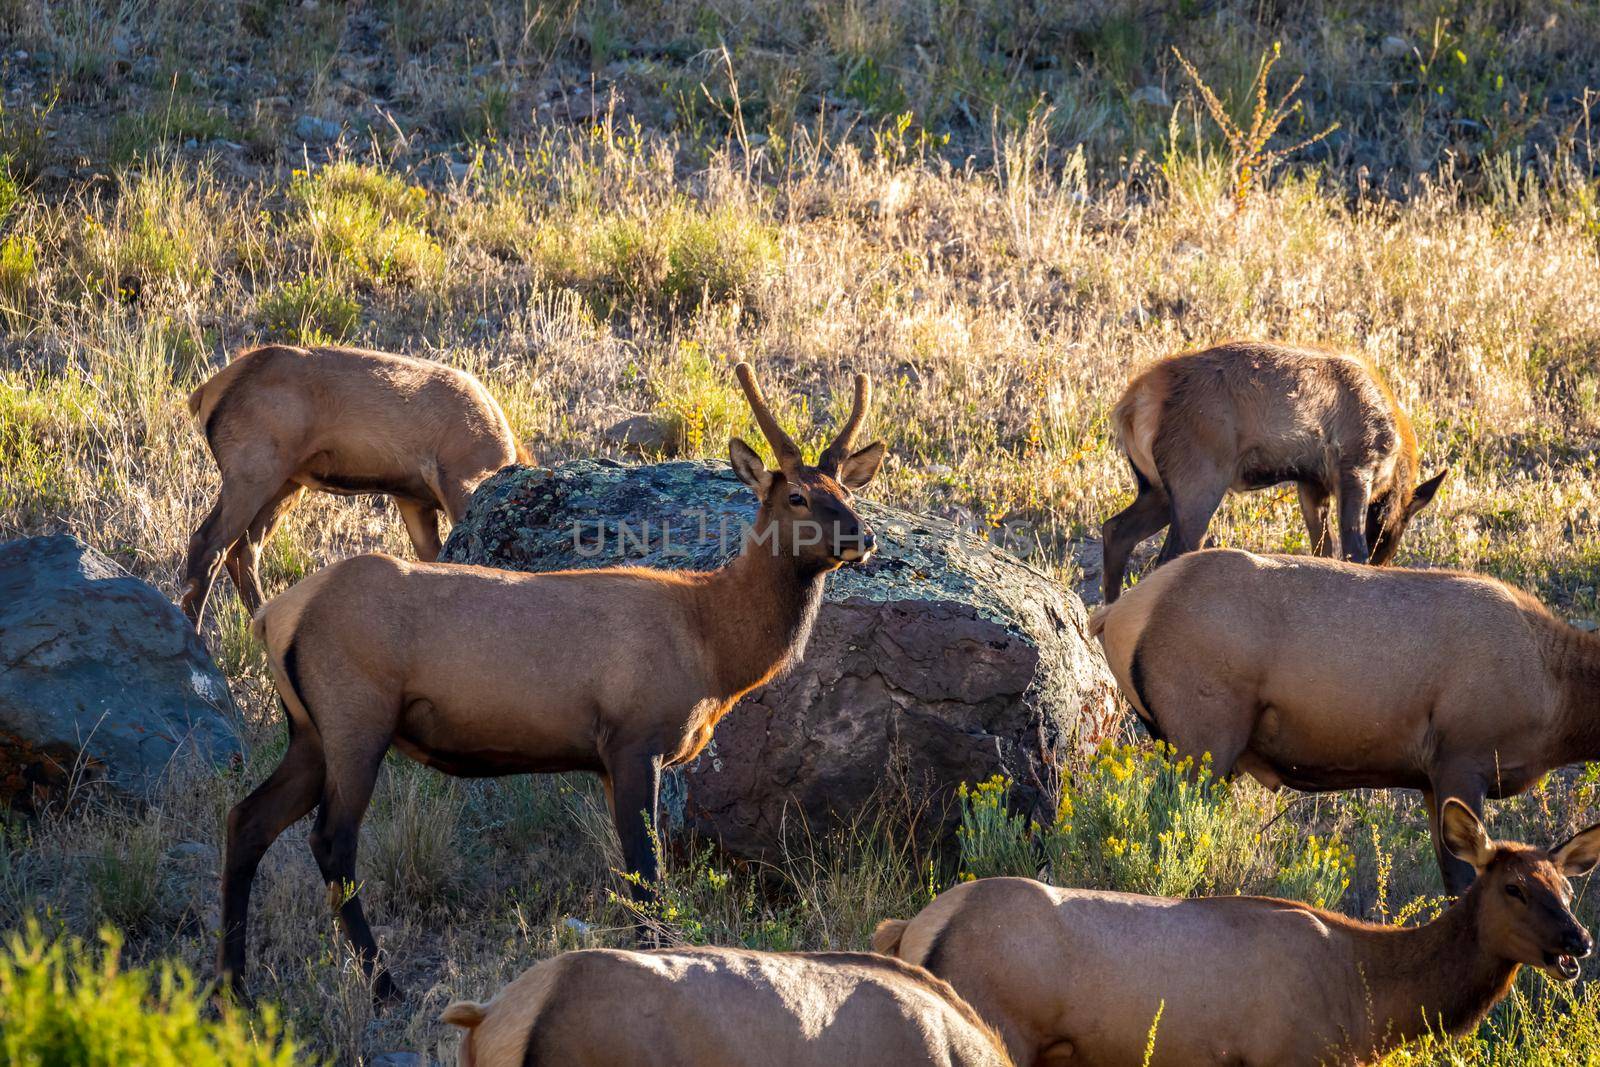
(1078, 977)
(1248, 415)
(280, 420)
(1323, 675)
(482, 672)
(717, 1007)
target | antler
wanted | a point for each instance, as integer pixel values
(839, 451)
(783, 445)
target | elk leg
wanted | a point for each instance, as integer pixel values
(1353, 493)
(422, 523)
(1469, 789)
(1314, 509)
(453, 498)
(240, 500)
(244, 558)
(1122, 532)
(1193, 505)
(345, 797)
(635, 791)
(253, 825)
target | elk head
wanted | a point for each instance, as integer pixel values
(1388, 514)
(1525, 913)
(805, 510)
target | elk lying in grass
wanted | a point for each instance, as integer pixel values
(280, 420)
(1247, 415)
(718, 1007)
(481, 672)
(1078, 977)
(1324, 675)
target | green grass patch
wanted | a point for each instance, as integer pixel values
(675, 259)
(365, 222)
(179, 119)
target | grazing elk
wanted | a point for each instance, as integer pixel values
(1323, 675)
(280, 420)
(1248, 415)
(1078, 977)
(720, 1007)
(480, 672)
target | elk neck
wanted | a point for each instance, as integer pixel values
(756, 614)
(1435, 976)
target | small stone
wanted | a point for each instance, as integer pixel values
(1393, 47)
(1588, 626)
(1151, 96)
(940, 470)
(400, 1059)
(638, 433)
(195, 851)
(313, 130)
(577, 926)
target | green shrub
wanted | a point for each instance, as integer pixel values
(1141, 820)
(700, 407)
(62, 1005)
(310, 310)
(18, 266)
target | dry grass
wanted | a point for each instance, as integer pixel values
(1000, 286)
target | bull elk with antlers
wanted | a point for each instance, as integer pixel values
(1248, 415)
(481, 672)
(280, 420)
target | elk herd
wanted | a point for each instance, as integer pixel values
(1321, 672)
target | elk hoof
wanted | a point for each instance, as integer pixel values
(187, 602)
(386, 993)
(227, 990)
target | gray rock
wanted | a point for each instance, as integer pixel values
(193, 852)
(400, 1059)
(313, 130)
(101, 678)
(943, 660)
(1392, 47)
(1151, 96)
(638, 433)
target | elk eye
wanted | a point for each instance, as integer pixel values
(1515, 893)
(796, 500)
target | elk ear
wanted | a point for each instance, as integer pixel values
(748, 466)
(1579, 854)
(862, 466)
(1464, 835)
(1425, 492)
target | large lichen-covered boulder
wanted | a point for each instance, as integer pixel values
(101, 678)
(941, 661)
